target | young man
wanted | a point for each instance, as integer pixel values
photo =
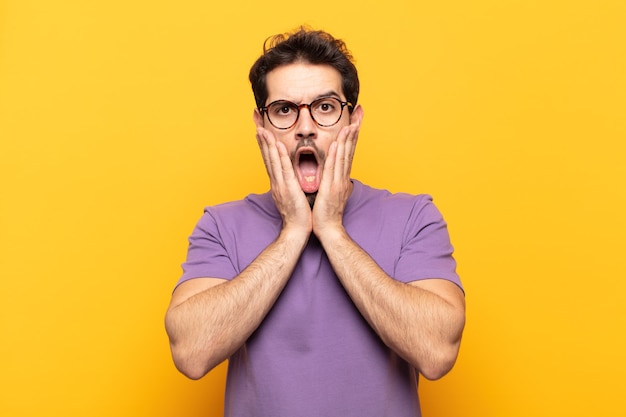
(327, 296)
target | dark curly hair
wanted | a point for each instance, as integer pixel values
(309, 46)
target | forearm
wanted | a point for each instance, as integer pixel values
(419, 325)
(208, 327)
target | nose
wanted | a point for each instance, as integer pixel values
(305, 126)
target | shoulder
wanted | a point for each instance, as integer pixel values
(255, 205)
(379, 212)
(230, 235)
(250, 214)
(407, 214)
(367, 197)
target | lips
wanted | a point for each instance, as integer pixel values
(307, 169)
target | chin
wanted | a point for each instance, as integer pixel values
(311, 198)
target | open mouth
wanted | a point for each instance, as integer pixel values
(307, 170)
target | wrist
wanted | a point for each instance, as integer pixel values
(330, 234)
(295, 235)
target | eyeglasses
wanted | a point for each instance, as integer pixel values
(325, 111)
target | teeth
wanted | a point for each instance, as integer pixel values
(309, 178)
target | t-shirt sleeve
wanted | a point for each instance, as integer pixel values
(207, 256)
(426, 251)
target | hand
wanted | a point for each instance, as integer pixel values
(290, 201)
(336, 187)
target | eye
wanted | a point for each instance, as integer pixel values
(283, 108)
(326, 105)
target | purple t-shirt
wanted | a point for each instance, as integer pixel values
(314, 354)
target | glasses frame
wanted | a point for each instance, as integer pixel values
(263, 111)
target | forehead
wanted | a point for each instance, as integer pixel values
(303, 82)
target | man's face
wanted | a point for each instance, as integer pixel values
(306, 141)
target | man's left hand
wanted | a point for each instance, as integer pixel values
(335, 187)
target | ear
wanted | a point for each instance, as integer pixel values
(357, 115)
(258, 118)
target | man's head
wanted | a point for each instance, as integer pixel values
(306, 88)
(306, 46)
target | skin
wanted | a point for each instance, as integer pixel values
(209, 318)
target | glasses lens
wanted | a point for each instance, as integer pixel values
(282, 114)
(326, 111)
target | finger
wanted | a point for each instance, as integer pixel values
(264, 151)
(285, 161)
(328, 175)
(346, 144)
(271, 156)
(350, 149)
(341, 155)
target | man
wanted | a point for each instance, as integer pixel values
(328, 297)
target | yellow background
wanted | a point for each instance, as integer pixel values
(120, 120)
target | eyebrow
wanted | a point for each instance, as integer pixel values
(330, 93)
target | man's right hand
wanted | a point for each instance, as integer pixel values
(288, 196)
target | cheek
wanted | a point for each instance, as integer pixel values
(324, 143)
(289, 145)
(281, 137)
